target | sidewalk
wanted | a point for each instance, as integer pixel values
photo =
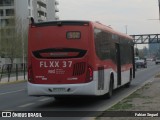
(146, 98)
(12, 79)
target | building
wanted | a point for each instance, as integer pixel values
(44, 10)
(52, 11)
(12, 11)
(154, 49)
(41, 10)
(18, 12)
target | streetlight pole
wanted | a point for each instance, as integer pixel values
(24, 27)
(159, 8)
(126, 29)
(159, 11)
(22, 22)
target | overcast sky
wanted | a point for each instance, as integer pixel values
(118, 13)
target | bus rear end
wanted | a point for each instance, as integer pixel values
(58, 59)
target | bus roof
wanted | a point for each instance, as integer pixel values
(80, 23)
(109, 29)
(61, 23)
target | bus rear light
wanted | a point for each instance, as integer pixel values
(89, 76)
(59, 54)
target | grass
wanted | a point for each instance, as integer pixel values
(121, 106)
(134, 95)
(126, 103)
(147, 86)
(148, 102)
(157, 76)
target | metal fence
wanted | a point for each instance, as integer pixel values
(10, 71)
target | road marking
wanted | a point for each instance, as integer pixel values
(44, 99)
(11, 92)
(8, 110)
(26, 105)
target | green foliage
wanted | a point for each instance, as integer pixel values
(12, 35)
(121, 106)
(158, 75)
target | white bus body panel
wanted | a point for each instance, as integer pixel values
(74, 89)
(90, 88)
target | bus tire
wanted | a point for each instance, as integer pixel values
(110, 92)
(130, 79)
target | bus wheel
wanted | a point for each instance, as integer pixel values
(110, 92)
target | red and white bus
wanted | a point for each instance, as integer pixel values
(78, 58)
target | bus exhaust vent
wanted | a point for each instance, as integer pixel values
(79, 69)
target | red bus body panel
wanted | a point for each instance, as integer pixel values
(62, 65)
(58, 71)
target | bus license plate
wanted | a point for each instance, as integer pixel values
(59, 89)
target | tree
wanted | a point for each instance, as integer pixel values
(145, 51)
(11, 39)
(136, 52)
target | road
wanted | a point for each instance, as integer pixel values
(13, 97)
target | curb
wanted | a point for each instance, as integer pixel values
(13, 82)
(134, 90)
(125, 96)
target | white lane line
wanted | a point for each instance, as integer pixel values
(8, 110)
(26, 105)
(11, 92)
(44, 99)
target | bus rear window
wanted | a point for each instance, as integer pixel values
(73, 35)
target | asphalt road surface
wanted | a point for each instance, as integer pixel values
(13, 97)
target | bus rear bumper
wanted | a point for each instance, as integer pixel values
(64, 89)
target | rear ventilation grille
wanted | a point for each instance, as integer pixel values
(79, 69)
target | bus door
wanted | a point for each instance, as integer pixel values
(118, 57)
(133, 61)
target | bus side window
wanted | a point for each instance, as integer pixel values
(105, 48)
(125, 48)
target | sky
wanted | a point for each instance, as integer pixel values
(119, 14)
